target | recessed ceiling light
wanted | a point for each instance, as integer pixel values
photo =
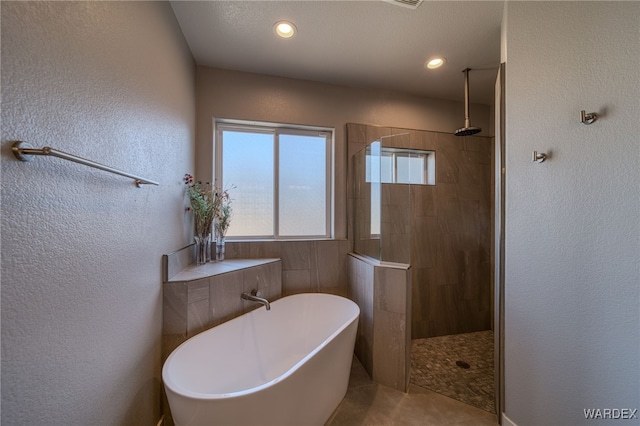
(284, 29)
(435, 63)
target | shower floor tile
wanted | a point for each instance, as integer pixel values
(438, 364)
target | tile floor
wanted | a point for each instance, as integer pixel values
(369, 404)
(433, 367)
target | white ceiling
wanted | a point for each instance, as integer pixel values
(370, 44)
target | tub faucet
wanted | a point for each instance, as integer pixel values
(253, 296)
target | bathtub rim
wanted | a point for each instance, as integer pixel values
(179, 390)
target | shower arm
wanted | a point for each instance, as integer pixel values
(466, 98)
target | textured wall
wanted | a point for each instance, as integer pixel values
(81, 249)
(572, 331)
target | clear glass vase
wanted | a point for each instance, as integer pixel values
(203, 249)
(220, 248)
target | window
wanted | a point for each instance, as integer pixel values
(393, 165)
(280, 179)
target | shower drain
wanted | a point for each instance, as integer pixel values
(463, 364)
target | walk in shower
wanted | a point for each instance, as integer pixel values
(424, 199)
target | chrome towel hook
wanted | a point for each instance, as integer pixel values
(539, 157)
(588, 118)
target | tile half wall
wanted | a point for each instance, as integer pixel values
(383, 342)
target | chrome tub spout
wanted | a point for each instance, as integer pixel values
(253, 296)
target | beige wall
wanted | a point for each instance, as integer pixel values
(237, 95)
(572, 299)
(81, 249)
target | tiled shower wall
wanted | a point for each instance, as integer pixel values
(450, 229)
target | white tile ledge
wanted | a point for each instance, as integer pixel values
(196, 272)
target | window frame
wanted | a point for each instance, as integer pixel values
(277, 129)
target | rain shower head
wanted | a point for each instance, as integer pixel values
(467, 130)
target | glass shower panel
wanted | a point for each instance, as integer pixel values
(375, 167)
(382, 213)
(395, 201)
(367, 201)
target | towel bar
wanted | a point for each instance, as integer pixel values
(23, 152)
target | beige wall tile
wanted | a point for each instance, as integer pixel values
(198, 318)
(224, 293)
(174, 307)
(253, 249)
(265, 249)
(390, 293)
(170, 342)
(361, 289)
(389, 350)
(198, 290)
(274, 273)
(423, 200)
(424, 242)
(256, 278)
(294, 282)
(400, 138)
(419, 139)
(449, 259)
(330, 264)
(338, 291)
(296, 255)
(190, 308)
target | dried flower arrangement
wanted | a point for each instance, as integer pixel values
(201, 200)
(211, 206)
(222, 212)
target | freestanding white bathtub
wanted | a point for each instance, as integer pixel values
(286, 366)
